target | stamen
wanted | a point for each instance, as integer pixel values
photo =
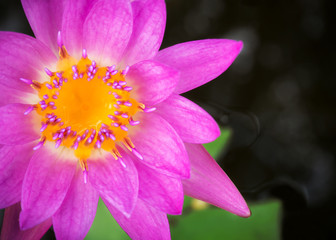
(59, 74)
(58, 143)
(125, 71)
(85, 176)
(122, 83)
(122, 162)
(44, 126)
(133, 123)
(40, 144)
(116, 153)
(59, 39)
(128, 104)
(114, 72)
(112, 136)
(148, 110)
(128, 88)
(89, 140)
(112, 68)
(113, 117)
(98, 144)
(29, 110)
(84, 53)
(137, 154)
(75, 145)
(50, 73)
(129, 142)
(36, 85)
(84, 166)
(123, 127)
(27, 81)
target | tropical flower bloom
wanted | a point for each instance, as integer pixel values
(91, 108)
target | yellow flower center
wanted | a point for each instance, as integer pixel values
(85, 107)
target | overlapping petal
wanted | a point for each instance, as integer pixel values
(14, 161)
(77, 212)
(75, 13)
(153, 82)
(117, 184)
(145, 222)
(12, 116)
(209, 183)
(190, 121)
(149, 20)
(45, 185)
(11, 229)
(107, 30)
(21, 57)
(45, 19)
(162, 149)
(160, 191)
(200, 61)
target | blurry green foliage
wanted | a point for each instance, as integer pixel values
(214, 223)
(104, 226)
(210, 223)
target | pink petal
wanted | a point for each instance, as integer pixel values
(21, 56)
(13, 165)
(162, 149)
(145, 222)
(77, 212)
(13, 116)
(45, 185)
(209, 183)
(9, 95)
(190, 121)
(118, 185)
(200, 61)
(75, 13)
(160, 191)
(148, 29)
(107, 30)
(152, 82)
(45, 19)
(11, 229)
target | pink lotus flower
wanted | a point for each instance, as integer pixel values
(78, 121)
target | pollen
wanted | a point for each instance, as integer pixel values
(86, 107)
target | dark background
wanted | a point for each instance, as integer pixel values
(279, 98)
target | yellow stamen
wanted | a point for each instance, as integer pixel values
(85, 107)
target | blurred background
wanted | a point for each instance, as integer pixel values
(276, 107)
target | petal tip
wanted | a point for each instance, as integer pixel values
(178, 211)
(237, 47)
(241, 209)
(216, 132)
(23, 221)
(245, 213)
(240, 45)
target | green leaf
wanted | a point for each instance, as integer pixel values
(104, 226)
(219, 145)
(214, 223)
